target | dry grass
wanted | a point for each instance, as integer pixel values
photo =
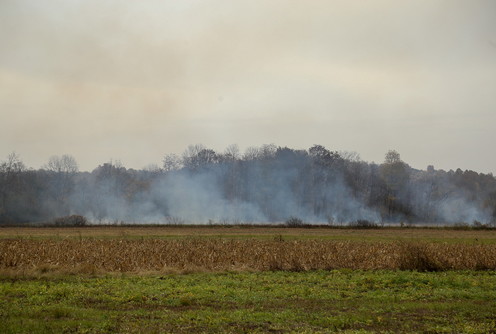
(194, 254)
(382, 234)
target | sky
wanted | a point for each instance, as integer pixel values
(135, 80)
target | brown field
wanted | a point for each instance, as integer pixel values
(92, 255)
(243, 232)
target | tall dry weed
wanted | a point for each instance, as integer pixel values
(152, 255)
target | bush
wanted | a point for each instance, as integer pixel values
(414, 256)
(363, 223)
(73, 220)
(330, 220)
(461, 226)
(174, 220)
(294, 221)
(477, 225)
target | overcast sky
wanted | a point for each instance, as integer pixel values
(134, 80)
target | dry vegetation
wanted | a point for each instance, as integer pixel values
(145, 255)
(331, 233)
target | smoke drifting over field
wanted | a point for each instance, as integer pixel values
(268, 184)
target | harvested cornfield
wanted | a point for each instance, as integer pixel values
(131, 255)
(259, 232)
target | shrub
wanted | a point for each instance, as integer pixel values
(294, 221)
(363, 223)
(73, 220)
(174, 220)
(330, 220)
(415, 256)
(477, 225)
(461, 226)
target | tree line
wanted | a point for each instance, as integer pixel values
(262, 185)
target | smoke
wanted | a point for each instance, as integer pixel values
(268, 185)
(260, 190)
(346, 208)
(446, 197)
(459, 209)
(198, 199)
(271, 185)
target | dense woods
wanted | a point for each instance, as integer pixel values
(263, 185)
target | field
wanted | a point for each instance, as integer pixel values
(380, 234)
(246, 279)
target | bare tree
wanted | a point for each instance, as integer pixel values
(63, 164)
(231, 153)
(251, 153)
(12, 165)
(152, 168)
(396, 175)
(197, 156)
(190, 156)
(207, 156)
(392, 156)
(62, 171)
(171, 162)
(266, 151)
(351, 156)
(10, 179)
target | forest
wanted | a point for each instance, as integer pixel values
(266, 184)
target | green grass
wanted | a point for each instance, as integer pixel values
(306, 302)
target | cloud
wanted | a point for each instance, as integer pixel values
(219, 72)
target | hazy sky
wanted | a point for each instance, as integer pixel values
(134, 80)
